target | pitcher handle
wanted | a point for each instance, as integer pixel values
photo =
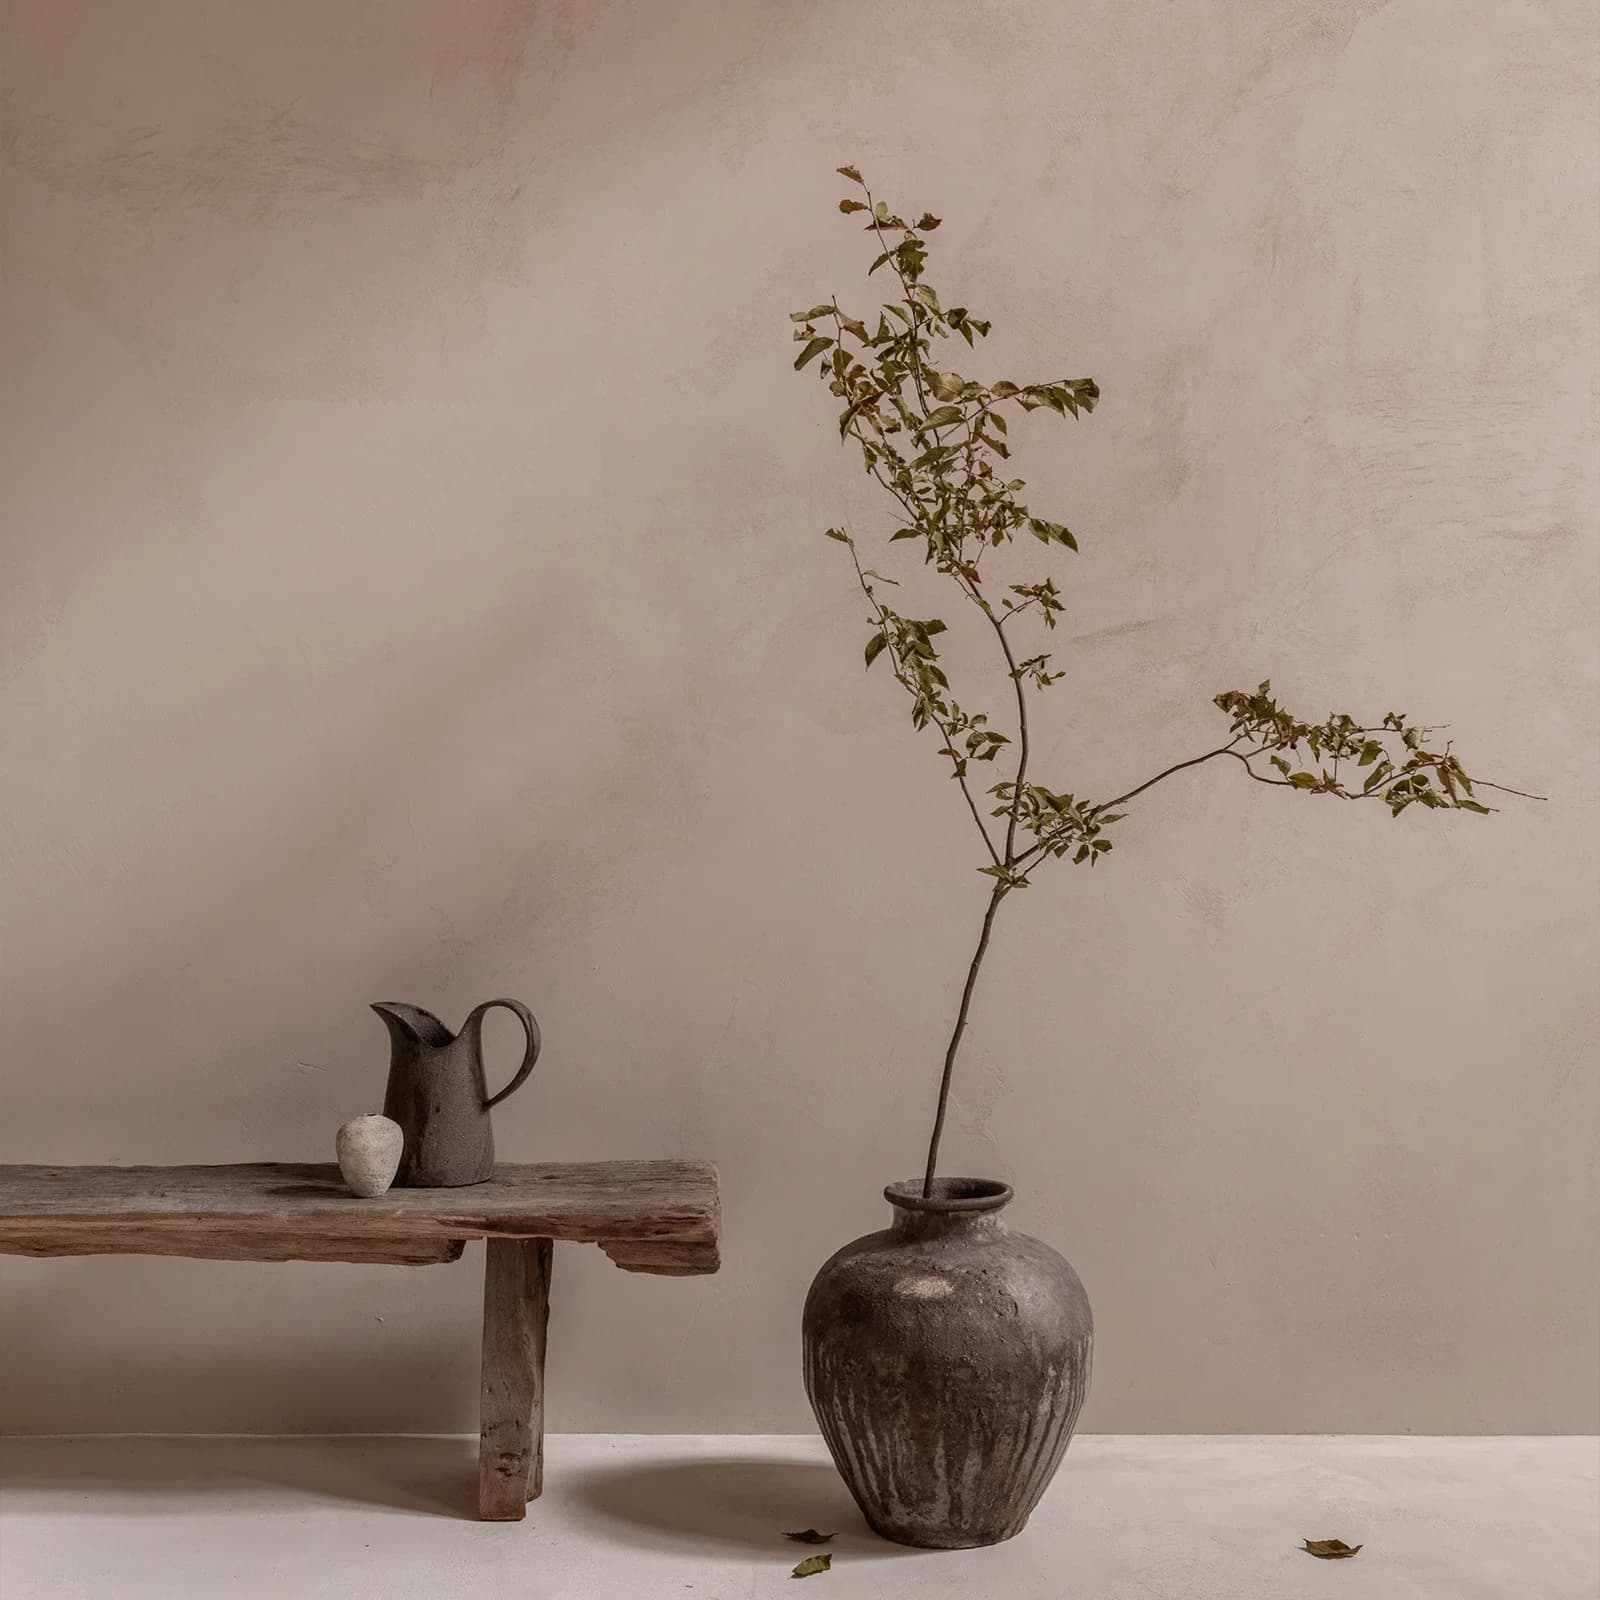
(529, 1026)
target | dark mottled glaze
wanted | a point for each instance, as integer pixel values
(946, 1360)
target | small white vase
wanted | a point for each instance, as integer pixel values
(369, 1154)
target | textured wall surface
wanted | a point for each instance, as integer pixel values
(412, 587)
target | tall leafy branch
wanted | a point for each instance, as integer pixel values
(938, 443)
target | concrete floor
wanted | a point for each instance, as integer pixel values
(636, 1518)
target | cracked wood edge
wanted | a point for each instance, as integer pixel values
(663, 1257)
(675, 1258)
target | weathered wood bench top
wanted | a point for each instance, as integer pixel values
(648, 1216)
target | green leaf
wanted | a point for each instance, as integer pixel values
(946, 385)
(943, 416)
(814, 348)
(812, 1565)
(848, 415)
(875, 647)
(927, 222)
(1331, 1549)
(1303, 780)
(1370, 752)
(834, 533)
(809, 1536)
(905, 533)
(1047, 531)
(848, 172)
(811, 315)
(847, 206)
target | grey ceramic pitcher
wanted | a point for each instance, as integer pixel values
(438, 1095)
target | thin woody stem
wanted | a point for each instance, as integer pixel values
(998, 894)
(955, 1038)
(1178, 766)
(1483, 783)
(1023, 741)
(1034, 854)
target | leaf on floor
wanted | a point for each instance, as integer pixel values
(811, 1566)
(1330, 1549)
(809, 1536)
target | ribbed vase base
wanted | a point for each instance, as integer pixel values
(942, 1538)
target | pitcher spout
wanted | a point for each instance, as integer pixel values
(412, 1025)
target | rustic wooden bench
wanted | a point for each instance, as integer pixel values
(648, 1216)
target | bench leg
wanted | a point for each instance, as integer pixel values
(516, 1310)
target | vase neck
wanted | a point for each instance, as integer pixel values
(955, 1206)
(926, 1225)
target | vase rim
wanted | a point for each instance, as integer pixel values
(949, 1195)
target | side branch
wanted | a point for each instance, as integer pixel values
(1179, 766)
(949, 735)
(1396, 787)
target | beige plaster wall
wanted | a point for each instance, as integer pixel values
(412, 587)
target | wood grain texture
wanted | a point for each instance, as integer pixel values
(225, 1245)
(649, 1216)
(516, 1314)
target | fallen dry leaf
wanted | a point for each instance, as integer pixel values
(811, 1566)
(1330, 1549)
(809, 1536)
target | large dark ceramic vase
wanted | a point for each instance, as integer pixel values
(946, 1360)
